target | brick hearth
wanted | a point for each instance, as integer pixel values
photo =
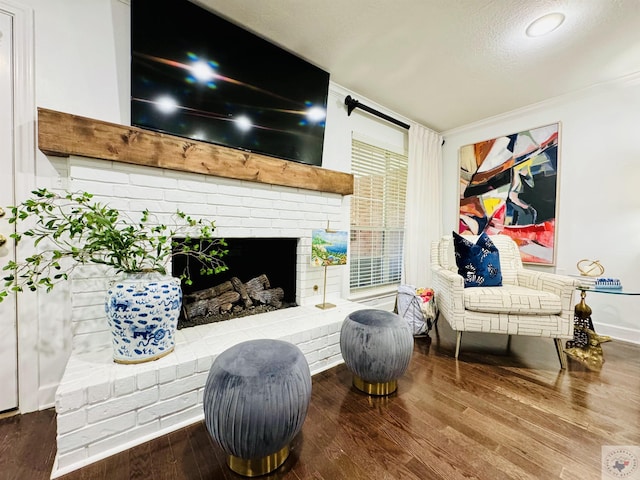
(104, 408)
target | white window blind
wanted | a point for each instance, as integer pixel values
(377, 215)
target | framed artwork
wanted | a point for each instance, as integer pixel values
(328, 247)
(508, 185)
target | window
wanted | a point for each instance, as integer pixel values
(377, 215)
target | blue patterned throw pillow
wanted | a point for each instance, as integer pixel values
(478, 263)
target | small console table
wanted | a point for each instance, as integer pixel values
(585, 346)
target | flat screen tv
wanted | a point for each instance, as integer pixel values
(197, 75)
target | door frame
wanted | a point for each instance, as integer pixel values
(24, 168)
(8, 310)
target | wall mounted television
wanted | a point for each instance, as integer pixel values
(197, 75)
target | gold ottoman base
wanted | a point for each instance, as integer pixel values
(385, 388)
(258, 466)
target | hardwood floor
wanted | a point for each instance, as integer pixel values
(490, 415)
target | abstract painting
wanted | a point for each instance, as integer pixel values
(508, 185)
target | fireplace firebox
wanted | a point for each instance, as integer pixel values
(261, 277)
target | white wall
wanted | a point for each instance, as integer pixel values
(337, 156)
(81, 63)
(599, 194)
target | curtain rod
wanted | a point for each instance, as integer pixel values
(352, 104)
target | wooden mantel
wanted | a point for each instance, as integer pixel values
(63, 134)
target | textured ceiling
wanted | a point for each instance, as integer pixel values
(447, 63)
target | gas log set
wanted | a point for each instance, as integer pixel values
(230, 299)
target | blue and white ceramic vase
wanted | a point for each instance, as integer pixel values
(142, 310)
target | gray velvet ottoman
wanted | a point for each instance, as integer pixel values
(255, 402)
(376, 346)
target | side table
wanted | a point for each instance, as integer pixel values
(585, 346)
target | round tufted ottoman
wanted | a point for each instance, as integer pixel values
(255, 402)
(376, 346)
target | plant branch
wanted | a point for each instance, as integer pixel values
(77, 230)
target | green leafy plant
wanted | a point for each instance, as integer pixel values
(73, 229)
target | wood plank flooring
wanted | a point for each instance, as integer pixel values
(493, 414)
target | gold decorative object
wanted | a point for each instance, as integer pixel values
(590, 268)
(591, 355)
(582, 310)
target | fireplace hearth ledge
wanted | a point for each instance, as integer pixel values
(104, 408)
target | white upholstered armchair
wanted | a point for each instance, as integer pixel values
(528, 302)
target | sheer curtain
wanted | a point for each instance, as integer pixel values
(423, 212)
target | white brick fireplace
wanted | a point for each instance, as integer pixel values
(240, 209)
(103, 407)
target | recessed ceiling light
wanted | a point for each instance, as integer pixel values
(545, 24)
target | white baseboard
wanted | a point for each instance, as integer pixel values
(618, 333)
(47, 396)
